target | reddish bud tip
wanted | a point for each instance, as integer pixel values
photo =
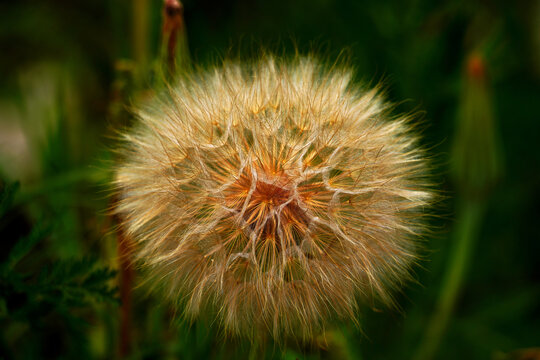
(476, 67)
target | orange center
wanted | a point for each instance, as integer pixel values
(271, 212)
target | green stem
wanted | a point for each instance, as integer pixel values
(140, 31)
(468, 223)
(255, 352)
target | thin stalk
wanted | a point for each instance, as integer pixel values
(140, 37)
(125, 285)
(255, 351)
(468, 224)
(175, 58)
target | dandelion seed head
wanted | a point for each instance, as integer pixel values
(275, 195)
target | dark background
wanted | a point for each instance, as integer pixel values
(66, 70)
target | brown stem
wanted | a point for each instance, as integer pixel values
(173, 30)
(125, 285)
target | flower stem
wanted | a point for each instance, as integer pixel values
(175, 56)
(126, 280)
(140, 31)
(255, 351)
(468, 224)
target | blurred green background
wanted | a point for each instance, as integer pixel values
(471, 70)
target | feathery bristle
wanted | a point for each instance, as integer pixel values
(275, 194)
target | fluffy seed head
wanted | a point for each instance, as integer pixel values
(273, 195)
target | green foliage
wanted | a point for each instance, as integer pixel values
(30, 294)
(6, 197)
(57, 299)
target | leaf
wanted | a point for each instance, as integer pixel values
(68, 270)
(6, 197)
(76, 282)
(24, 245)
(3, 307)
